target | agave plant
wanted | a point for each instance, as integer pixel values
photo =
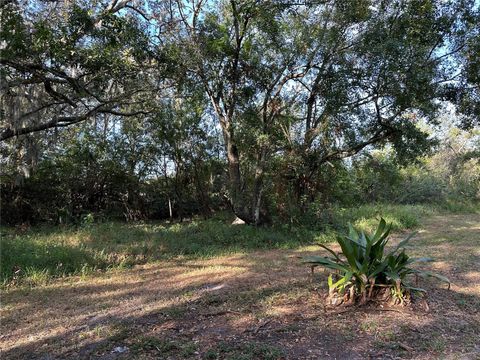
(364, 269)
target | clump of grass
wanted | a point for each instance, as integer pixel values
(459, 206)
(164, 346)
(36, 277)
(248, 350)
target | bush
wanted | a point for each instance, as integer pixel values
(364, 270)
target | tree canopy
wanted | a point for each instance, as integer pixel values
(269, 89)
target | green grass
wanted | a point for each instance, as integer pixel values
(366, 216)
(45, 252)
(459, 206)
(244, 351)
(163, 347)
(42, 253)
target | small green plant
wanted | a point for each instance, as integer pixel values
(88, 220)
(364, 269)
(244, 351)
(36, 277)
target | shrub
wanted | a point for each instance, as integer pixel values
(364, 269)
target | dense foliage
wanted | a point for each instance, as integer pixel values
(160, 109)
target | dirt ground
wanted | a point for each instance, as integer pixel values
(262, 305)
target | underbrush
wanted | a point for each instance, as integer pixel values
(458, 206)
(36, 255)
(365, 217)
(400, 217)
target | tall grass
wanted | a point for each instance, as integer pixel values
(366, 217)
(41, 253)
(459, 206)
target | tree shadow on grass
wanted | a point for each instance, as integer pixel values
(226, 307)
(218, 317)
(73, 251)
(33, 261)
(203, 323)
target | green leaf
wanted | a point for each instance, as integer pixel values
(347, 250)
(415, 288)
(423, 273)
(331, 252)
(352, 232)
(380, 229)
(393, 275)
(384, 235)
(420, 260)
(343, 281)
(379, 268)
(323, 261)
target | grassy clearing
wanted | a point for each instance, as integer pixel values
(256, 305)
(42, 253)
(34, 257)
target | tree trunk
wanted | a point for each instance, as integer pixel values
(238, 197)
(258, 186)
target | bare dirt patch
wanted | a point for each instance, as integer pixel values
(261, 305)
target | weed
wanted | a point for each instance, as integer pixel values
(387, 335)
(36, 277)
(437, 345)
(164, 346)
(174, 312)
(244, 351)
(369, 326)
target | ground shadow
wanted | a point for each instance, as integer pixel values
(230, 306)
